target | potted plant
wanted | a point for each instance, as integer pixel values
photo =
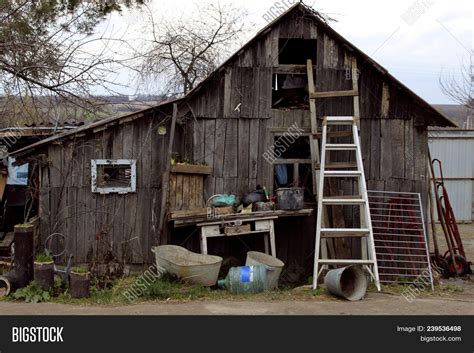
(79, 282)
(44, 271)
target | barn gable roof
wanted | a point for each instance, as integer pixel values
(437, 118)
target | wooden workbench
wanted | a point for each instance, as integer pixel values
(259, 225)
(194, 217)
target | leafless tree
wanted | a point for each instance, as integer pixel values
(51, 57)
(184, 51)
(460, 89)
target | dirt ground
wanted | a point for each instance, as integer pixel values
(461, 303)
(456, 302)
(467, 235)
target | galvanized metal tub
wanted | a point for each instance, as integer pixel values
(187, 265)
(271, 263)
(347, 282)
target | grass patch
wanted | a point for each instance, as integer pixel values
(43, 258)
(398, 289)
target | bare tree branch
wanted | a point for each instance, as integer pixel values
(185, 52)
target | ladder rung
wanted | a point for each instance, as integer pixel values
(342, 173)
(339, 165)
(341, 147)
(331, 201)
(329, 94)
(348, 197)
(345, 261)
(340, 120)
(344, 232)
(318, 135)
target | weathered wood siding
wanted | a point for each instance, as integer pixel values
(233, 118)
(228, 125)
(233, 122)
(108, 226)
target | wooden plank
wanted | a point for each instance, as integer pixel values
(385, 106)
(86, 205)
(409, 150)
(365, 138)
(355, 88)
(375, 149)
(191, 169)
(332, 94)
(265, 170)
(315, 159)
(137, 152)
(179, 191)
(397, 128)
(186, 192)
(219, 185)
(386, 164)
(192, 199)
(71, 223)
(253, 153)
(166, 175)
(330, 58)
(209, 149)
(199, 190)
(420, 153)
(146, 161)
(220, 137)
(127, 141)
(142, 224)
(199, 136)
(237, 94)
(172, 192)
(243, 155)
(154, 238)
(264, 85)
(291, 69)
(230, 147)
(227, 92)
(130, 239)
(247, 91)
(188, 213)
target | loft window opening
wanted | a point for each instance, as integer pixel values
(295, 51)
(290, 91)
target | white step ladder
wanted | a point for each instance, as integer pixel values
(369, 260)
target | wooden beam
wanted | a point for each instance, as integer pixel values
(292, 161)
(336, 134)
(314, 126)
(191, 169)
(291, 69)
(338, 165)
(166, 175)
(355, 87)
(331, 94)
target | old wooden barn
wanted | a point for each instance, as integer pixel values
(224, 127)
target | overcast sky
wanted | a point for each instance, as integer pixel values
(416, 40)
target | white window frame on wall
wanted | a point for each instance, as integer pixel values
(111, 162)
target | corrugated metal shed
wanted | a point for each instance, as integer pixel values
(455, 149)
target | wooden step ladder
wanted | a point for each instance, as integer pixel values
(369, 260)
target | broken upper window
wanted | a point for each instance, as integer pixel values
(290, 91)
(295, 51)
(113, 176)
